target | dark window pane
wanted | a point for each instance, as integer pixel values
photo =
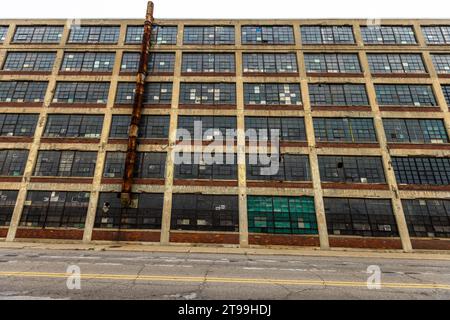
(46, 209)
(145, 213)
(205, 213)
(360, 217)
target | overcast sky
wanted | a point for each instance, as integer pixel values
(227, 9)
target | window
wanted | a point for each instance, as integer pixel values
(291, 168)
(130, 62)
(220, 125)
(198, 169)
(134, 34)
(7, 205)
(351, 169)
(65, 164)
(94, 34)
(3, 32)
(270, 62)
(145, 215)
(38, 34)
(422, 170)
(29, 61)
(436, 34)
(446, 90)
(327, 35)
(151, 165)
(272, 94)
(18, 125)
(208, 93)
(209, 35)
(148, 165)
(151, 127)
(46, 209)
(73, 126)
(281, 215)
(323, 94)
(415, 130)
(22, 91)
(88, 62)
(396, 63)
(388, 35)
(332, 63)
(205, 213)
(161, 35)
(155, 93)
(12, 162)
(344, 130)
(290, 129)
(360, 217)
(81, 92)
(427, 218)
(164, 35)
(441, 63)
(158, 62)
(268, 35)
(405, 95)
(115, 165)
(161, 63)
(208, 63)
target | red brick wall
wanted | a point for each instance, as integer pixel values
(365, 243)
(284, 240)
(208, 238)
(3, 232)
(130, 236)
(57, 234)
(430, 244)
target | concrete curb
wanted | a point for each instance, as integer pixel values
(278, 251)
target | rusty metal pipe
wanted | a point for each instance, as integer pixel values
(131, 158)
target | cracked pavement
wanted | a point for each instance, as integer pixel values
(129, 275)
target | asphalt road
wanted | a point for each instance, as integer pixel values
(39, 274)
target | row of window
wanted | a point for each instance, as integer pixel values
(321, 94)
(282, 63)
(358, 130)
(270, 215)
(341, 169)
(225, 35)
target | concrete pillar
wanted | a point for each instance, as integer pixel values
(168, 189)
(241, 149)
(101, 155)
(10, 34)
(386, 157)
(313, 158)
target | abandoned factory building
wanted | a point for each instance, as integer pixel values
(362, 111)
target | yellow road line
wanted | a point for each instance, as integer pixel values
(168, 278)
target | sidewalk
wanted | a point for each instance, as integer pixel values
(254, 250)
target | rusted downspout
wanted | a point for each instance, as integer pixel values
(127, 185)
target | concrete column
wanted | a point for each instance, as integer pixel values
(386, 158)
(101, 155)
(313, 158)
(241, 149)
(10, 34)
(168, 189)
(34, 150)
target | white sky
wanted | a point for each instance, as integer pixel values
(264, 9)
